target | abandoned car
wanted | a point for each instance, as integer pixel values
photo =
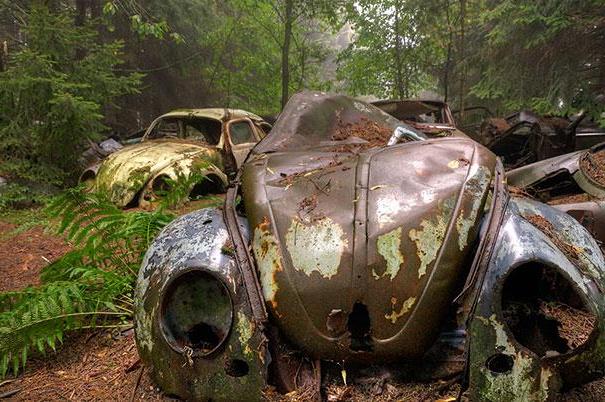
(361, 241)
(432, 117)
(573, 183)
(210, 142)
(525, 137)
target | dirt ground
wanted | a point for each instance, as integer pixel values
(104, 365)
(23, 255)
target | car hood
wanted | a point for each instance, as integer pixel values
(362, 250)
(124, 173)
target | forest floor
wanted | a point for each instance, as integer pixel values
(104, 365)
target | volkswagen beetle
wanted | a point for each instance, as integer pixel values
(210, 142)
(347, 250)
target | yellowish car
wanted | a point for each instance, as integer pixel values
(210, 142)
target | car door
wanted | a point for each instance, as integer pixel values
(242, 137)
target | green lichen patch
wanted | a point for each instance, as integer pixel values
(429, 237)
(317, 247)
(394, 315)
(389, 247)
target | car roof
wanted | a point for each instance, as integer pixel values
(213, 113)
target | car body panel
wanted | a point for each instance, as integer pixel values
(365, 253)
(127, 175)
(414, 230)
(123, 174)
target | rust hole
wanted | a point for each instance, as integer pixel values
(236, 368)
(359, 327)
(544, 312)
(500, 363)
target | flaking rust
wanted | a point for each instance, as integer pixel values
(268, 258)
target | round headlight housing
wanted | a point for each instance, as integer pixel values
(196, 313)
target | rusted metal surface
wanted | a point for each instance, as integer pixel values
(373, 254)
(433, 118)
(377, 236)
(572, 183)
(128, 175)
(524, 138)
(504, 365)
(199, 242)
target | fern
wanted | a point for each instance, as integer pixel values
(89, 287)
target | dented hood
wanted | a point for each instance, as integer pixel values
(360, 254)
(124, 173)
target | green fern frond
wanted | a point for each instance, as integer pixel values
(89, 287)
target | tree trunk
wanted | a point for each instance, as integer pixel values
(448, 60)
(462, 58)
(398, 62)
(285, 53)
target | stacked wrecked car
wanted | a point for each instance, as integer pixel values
(349, 237)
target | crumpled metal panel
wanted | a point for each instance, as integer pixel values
(198, 240)
(310, 119)
(533, 377)
(123, 174)
(389, 228)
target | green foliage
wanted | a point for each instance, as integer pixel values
(51, 96)
(89, 287)
(140, 20)
(244, 41)
(393, 51)
(546, 55)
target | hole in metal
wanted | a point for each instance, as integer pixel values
(500, 363)
(544, 312)
(236, 368)
(360, 327)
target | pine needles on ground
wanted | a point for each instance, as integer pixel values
(90, 287)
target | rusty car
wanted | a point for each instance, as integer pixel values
(350, 239)
(525, 137)
(432, 117)
(210, 142)
(573, 183)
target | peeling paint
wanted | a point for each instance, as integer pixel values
(387, 207)
(389, 247)
(476, 187)
(245, 330)
(429, 239)
(519, 384)
(268, 259)
(316, 247)
(455, 164)
(405, 307)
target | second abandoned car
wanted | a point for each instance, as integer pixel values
(345, 249)
(210, 142)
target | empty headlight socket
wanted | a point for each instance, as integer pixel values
(196, 313)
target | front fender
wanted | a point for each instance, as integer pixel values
(544, 259)
(198, 243)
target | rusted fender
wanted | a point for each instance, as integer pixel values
(505, 362)
(193, 320)
(125, 173)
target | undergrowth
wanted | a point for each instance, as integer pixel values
(90, 287)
